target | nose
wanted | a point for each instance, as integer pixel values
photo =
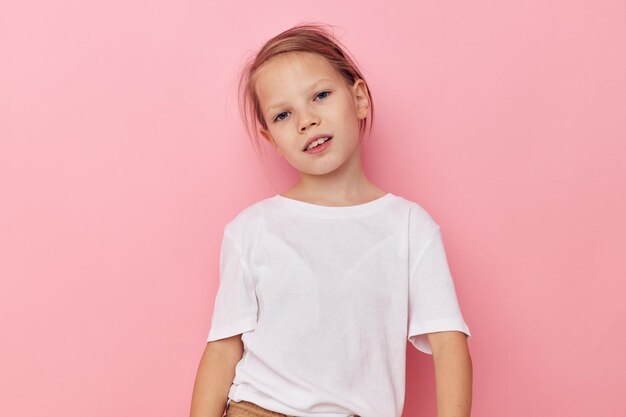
(307, 120)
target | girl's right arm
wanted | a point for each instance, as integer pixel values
(215, 375)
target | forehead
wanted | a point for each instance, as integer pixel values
(292, 69)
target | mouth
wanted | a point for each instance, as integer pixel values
(316, 141)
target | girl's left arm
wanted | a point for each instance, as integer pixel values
(453, 373)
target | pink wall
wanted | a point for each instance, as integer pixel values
(122, 156)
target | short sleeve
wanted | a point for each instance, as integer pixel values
(433, 304)
(235, 307)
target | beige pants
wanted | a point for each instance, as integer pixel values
(248, 409)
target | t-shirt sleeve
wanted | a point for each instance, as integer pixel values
(433, 304)
(235, 307)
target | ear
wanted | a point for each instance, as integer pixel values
(268, 136)
(361, 98)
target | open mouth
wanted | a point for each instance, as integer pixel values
(317, 143)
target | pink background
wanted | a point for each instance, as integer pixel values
(122, 156)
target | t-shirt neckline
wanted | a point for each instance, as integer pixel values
(332, 210)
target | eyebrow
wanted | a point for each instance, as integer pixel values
(310, 88)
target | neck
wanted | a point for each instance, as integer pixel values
(347, 183)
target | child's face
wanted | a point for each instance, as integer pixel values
(301, 95)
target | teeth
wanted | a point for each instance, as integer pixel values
(317, 142)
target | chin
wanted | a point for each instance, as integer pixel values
(321, 169)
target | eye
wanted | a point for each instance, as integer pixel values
(281, 116)
(278, 118)
(327, 93)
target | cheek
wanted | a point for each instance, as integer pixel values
(349, 116)
(349, 107)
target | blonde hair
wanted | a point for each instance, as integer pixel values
(305, 37)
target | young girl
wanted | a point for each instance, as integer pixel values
(321, 286)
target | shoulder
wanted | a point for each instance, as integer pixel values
(246, 221)
(420, 226)
(418, 216)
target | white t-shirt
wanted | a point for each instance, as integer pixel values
(326, 299)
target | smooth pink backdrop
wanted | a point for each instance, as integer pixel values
(122, 156)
